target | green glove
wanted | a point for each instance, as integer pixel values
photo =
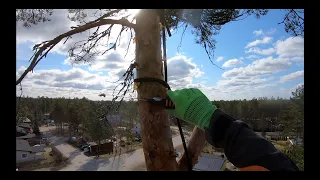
(192, 106)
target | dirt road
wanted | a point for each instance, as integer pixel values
(80, 162)
(136, 160)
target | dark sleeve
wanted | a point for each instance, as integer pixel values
(242, 146)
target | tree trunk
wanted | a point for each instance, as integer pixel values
(156, 135)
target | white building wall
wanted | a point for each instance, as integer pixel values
(29, 157)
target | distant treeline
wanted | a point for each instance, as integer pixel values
(262, 114)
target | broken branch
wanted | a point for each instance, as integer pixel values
(50, 44)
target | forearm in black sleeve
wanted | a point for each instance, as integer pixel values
(242, 146)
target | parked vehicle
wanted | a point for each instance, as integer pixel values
(84, 146)
(86, 149)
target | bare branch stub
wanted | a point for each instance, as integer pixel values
(180, 44)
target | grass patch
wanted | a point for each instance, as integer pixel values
(47, 156)
(296, 154)
(280, 145)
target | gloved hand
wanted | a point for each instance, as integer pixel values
(192, 106)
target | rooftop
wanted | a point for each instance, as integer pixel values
(23, 145)
(24, 125)
(20, 129)
(38, 149)
(27, 136)
(208, 162)
(114, 119)
(25, 120)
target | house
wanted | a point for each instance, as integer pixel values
(20, 131)
(46, 115)
(114, 120)
(296, 141)
(25, 120)
(272, 135)
(27, 136)
(136, 130)
(32, 139)
(210, 162)
(26, 153)
(207, 162)
(26, 126)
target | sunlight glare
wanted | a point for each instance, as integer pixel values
(133, 11)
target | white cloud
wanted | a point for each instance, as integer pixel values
(265, 40)
(258, 32)
(75, 82)
(266, 85)
(181, 66)
(253, 56)
(58, 83)
(271, 31)
(220, 58)
(240, 82)
(259, 67)
(231, 63)
(261, 51)
(261, 33)
(292, 76)
(290, 47)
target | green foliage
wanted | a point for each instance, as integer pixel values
(98, 129)
(296, 154)
(294, 22)
(129, 112)
(206, 23)
(292, 117)
(33, 16)
(262, 114)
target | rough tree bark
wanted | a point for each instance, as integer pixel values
(156, 135)
(195, 146)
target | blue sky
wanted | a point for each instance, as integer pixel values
(258, 57)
